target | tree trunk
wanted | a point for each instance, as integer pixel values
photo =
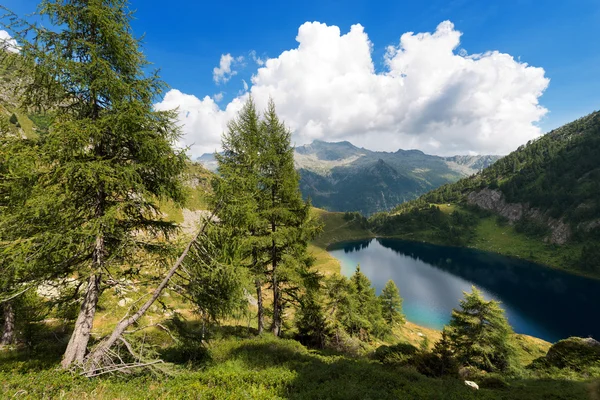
(8, 333)
(261, 322)
(276, 326)
(76, 349)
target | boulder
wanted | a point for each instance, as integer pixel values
(472, 385)
(575, 353)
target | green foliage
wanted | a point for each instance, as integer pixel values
(89, 202)
(216, 282)
(399, 354)
(267, 368)
(479, 334)
(532, 227)
(439, 362)
(455, 228)
(13, 119)
(259, 204)
(391, 304)
(310, 319)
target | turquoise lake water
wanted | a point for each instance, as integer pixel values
(539, 301)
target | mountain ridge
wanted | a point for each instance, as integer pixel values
(339, 176)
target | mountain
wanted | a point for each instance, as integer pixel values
(545, 196)
(342, 177)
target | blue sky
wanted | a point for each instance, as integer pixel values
(186, 39)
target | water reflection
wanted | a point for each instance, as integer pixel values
(539, 301)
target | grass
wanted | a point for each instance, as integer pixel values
(503, 239)
(336, 229)
(238, 365)
(265, 368)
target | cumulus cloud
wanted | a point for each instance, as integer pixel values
(218, 97)
(8, 43)
(225, 71)
(431, 96)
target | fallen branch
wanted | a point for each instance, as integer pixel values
(93, 359)
(111, 369)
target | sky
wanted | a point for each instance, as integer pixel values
(444, 77)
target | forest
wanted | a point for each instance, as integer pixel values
(104, 294)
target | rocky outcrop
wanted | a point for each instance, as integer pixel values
(493, 200)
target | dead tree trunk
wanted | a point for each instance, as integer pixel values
(8, 332)
(260, 314)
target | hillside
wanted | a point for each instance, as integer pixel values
(541, 202)
(342, 177)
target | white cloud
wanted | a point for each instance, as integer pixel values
(245, 85)
(225, 71)
(218, 97)
(259, 61)
(8, 43)
(432, 96)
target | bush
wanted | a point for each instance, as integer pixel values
(401, 353)
(435, 365)
(493, 382)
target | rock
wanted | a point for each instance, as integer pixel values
(472, 385)
(493, 200)
(124, 301)
(574, 353)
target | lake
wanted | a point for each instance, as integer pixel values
(539, 301)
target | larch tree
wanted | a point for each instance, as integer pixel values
(391, 304)
(290, 226)
(479, 334)
(260, 205)
(107, 159)
(235, 197)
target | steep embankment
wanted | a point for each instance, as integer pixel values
(541, 202)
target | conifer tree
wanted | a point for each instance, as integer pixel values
(107, 158)
(391, 304)
(287, 215)
(235, 194)
(480, 335)
(368, 306)
(260, 205)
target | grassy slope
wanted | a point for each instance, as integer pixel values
(267, 368)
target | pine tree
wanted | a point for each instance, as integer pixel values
(391, 304)
(480, 335)
(108, 157)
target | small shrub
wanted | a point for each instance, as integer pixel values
(401, 353)
(493, 382)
